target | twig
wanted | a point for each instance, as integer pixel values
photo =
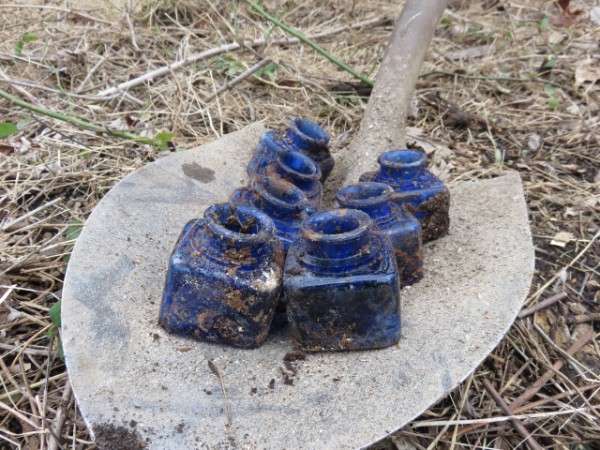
(56, 8)
(128, 9)
(452, 115)
(460, 409)
(480, 422)
(518, 405)
(574, 363)
(583, 318)
(91, 72)
(309, 42)
(541, 382)
(68, 94)
(22, 91)
(541, 305)
(573, 261)
(256, 67)
(73, 120)
(60, 376)
(8, 225)
(6, 293)
(516, 422)
(508, 79)
(60, 417)
(215, 370)
(518, 411)
(29, 351)
(162, 71)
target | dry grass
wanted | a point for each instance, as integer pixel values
(53, 174)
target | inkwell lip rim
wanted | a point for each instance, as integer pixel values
(346, 200)
(386, 161)
(316, 171)
(364, 223)
(266, 228)
(296, 125)
(259, 182)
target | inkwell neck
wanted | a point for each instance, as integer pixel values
(237, 234)
(337, 238)
(297, 167)
(402, 164)
(307, 135)
(371, 198)
(278, 198)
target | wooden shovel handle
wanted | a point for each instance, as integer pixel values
(384, 122)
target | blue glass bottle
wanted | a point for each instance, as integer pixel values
(417, 190)
(224, 277)
(341, 284)
(283, 202)
(303, 136)
(403, 229)
(309, 138)
(300, 170)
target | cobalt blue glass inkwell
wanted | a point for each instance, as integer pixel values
(300, 170)
(303, 136)
(341, 284)
(309, 138)
(400, 226)
(417, 190)
(282, 201)
(224, 277)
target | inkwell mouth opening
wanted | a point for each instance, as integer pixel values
(309, 131)
(239, 225)
(364, 195)
(298, 165)
(403, 162)
(271, 140)
(281, 195)
(336, 234)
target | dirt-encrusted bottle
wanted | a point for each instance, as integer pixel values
(341, 284)
(303, 136)
(282, 201)
(300, 170)
(224, 277)
(400, 226)
(418, 191)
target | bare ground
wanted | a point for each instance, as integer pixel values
(505, 85)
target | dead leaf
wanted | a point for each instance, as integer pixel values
(587, 71)
(564, 6)
(6, 149)
(544, 319)
(415, 138)
(469, 53)
(562, 336)
(595, 15)
(556, 37)
(567, 17)
(534, 142)
(561, 239)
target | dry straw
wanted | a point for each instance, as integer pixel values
(486, 63)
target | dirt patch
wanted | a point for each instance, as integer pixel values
(437, 220)
(115, 437)
(198, 172)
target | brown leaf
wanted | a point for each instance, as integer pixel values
(567, 17)
(564, 8)
(587, 70)
(6, 149)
